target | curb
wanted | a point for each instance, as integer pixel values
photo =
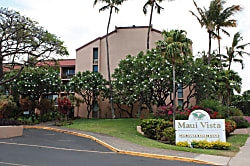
(121, 151)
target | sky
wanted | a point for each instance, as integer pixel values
(77, 22)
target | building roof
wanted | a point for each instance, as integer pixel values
(61, 62)
(116, 28)
(67, 62)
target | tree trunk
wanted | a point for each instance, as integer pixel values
(88, 110)
(229, 65)
(1, 67)
(228, 97)
(139, 109)
(150, 25)
(219, 45)
(77, 114)
(108, 66)
(209, 48)
(174, 94)
(218, 32)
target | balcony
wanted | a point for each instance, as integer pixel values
(67, 76)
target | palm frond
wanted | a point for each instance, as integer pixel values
(199, 20)
(148, 3)
(104, 8)
(224, 31)
(158, 8)
(242, 47)
(116, 9)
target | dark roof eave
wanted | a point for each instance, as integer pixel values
(99, 38)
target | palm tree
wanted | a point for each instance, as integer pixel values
(110, 5)
(236, 50)
(229, 81)
(224, 19)
(152, 3)
(207, 19)
(175, 47)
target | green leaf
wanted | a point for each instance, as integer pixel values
(201, 116)
(195, 115)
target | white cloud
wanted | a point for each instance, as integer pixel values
(78, 22)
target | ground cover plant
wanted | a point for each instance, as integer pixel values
(126, 129)
(206, 145)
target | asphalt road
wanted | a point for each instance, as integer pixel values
(50, 148)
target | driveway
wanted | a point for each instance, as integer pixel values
(49, 148)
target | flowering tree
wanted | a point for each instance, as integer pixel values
(34, 82)
(143, 78)
(198, 78)
(89, 85)
(21, 39)
(37, 81)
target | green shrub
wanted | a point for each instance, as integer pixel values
(153, 128)
(241, 122)
(46, 106)
(28, 120)
(206, 145)
(235, 112)
(8, 107)
(216, 106)
(168, 135)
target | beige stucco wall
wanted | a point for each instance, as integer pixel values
(122, 42)
(84, 57)
(11, 131)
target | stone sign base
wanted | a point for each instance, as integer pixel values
(11, 131)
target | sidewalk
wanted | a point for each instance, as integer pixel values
(241, 159)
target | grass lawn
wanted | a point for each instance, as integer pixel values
(126, 129)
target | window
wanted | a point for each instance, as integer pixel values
(95, 55)
(180, 91)
(68, 72)
(95, 68)
(180, 102)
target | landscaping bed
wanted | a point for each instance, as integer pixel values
(126, 129)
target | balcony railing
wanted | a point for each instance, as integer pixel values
(67, 76)
(95, 61)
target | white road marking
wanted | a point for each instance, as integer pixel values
(49, 147)
(12, 164)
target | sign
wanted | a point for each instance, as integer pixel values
(199, 127)
(26, 112)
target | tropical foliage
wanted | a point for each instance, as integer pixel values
(236, 50)
(174, 48)
(22, 39)
(35, 82)
(153, 4)
(89, 85)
